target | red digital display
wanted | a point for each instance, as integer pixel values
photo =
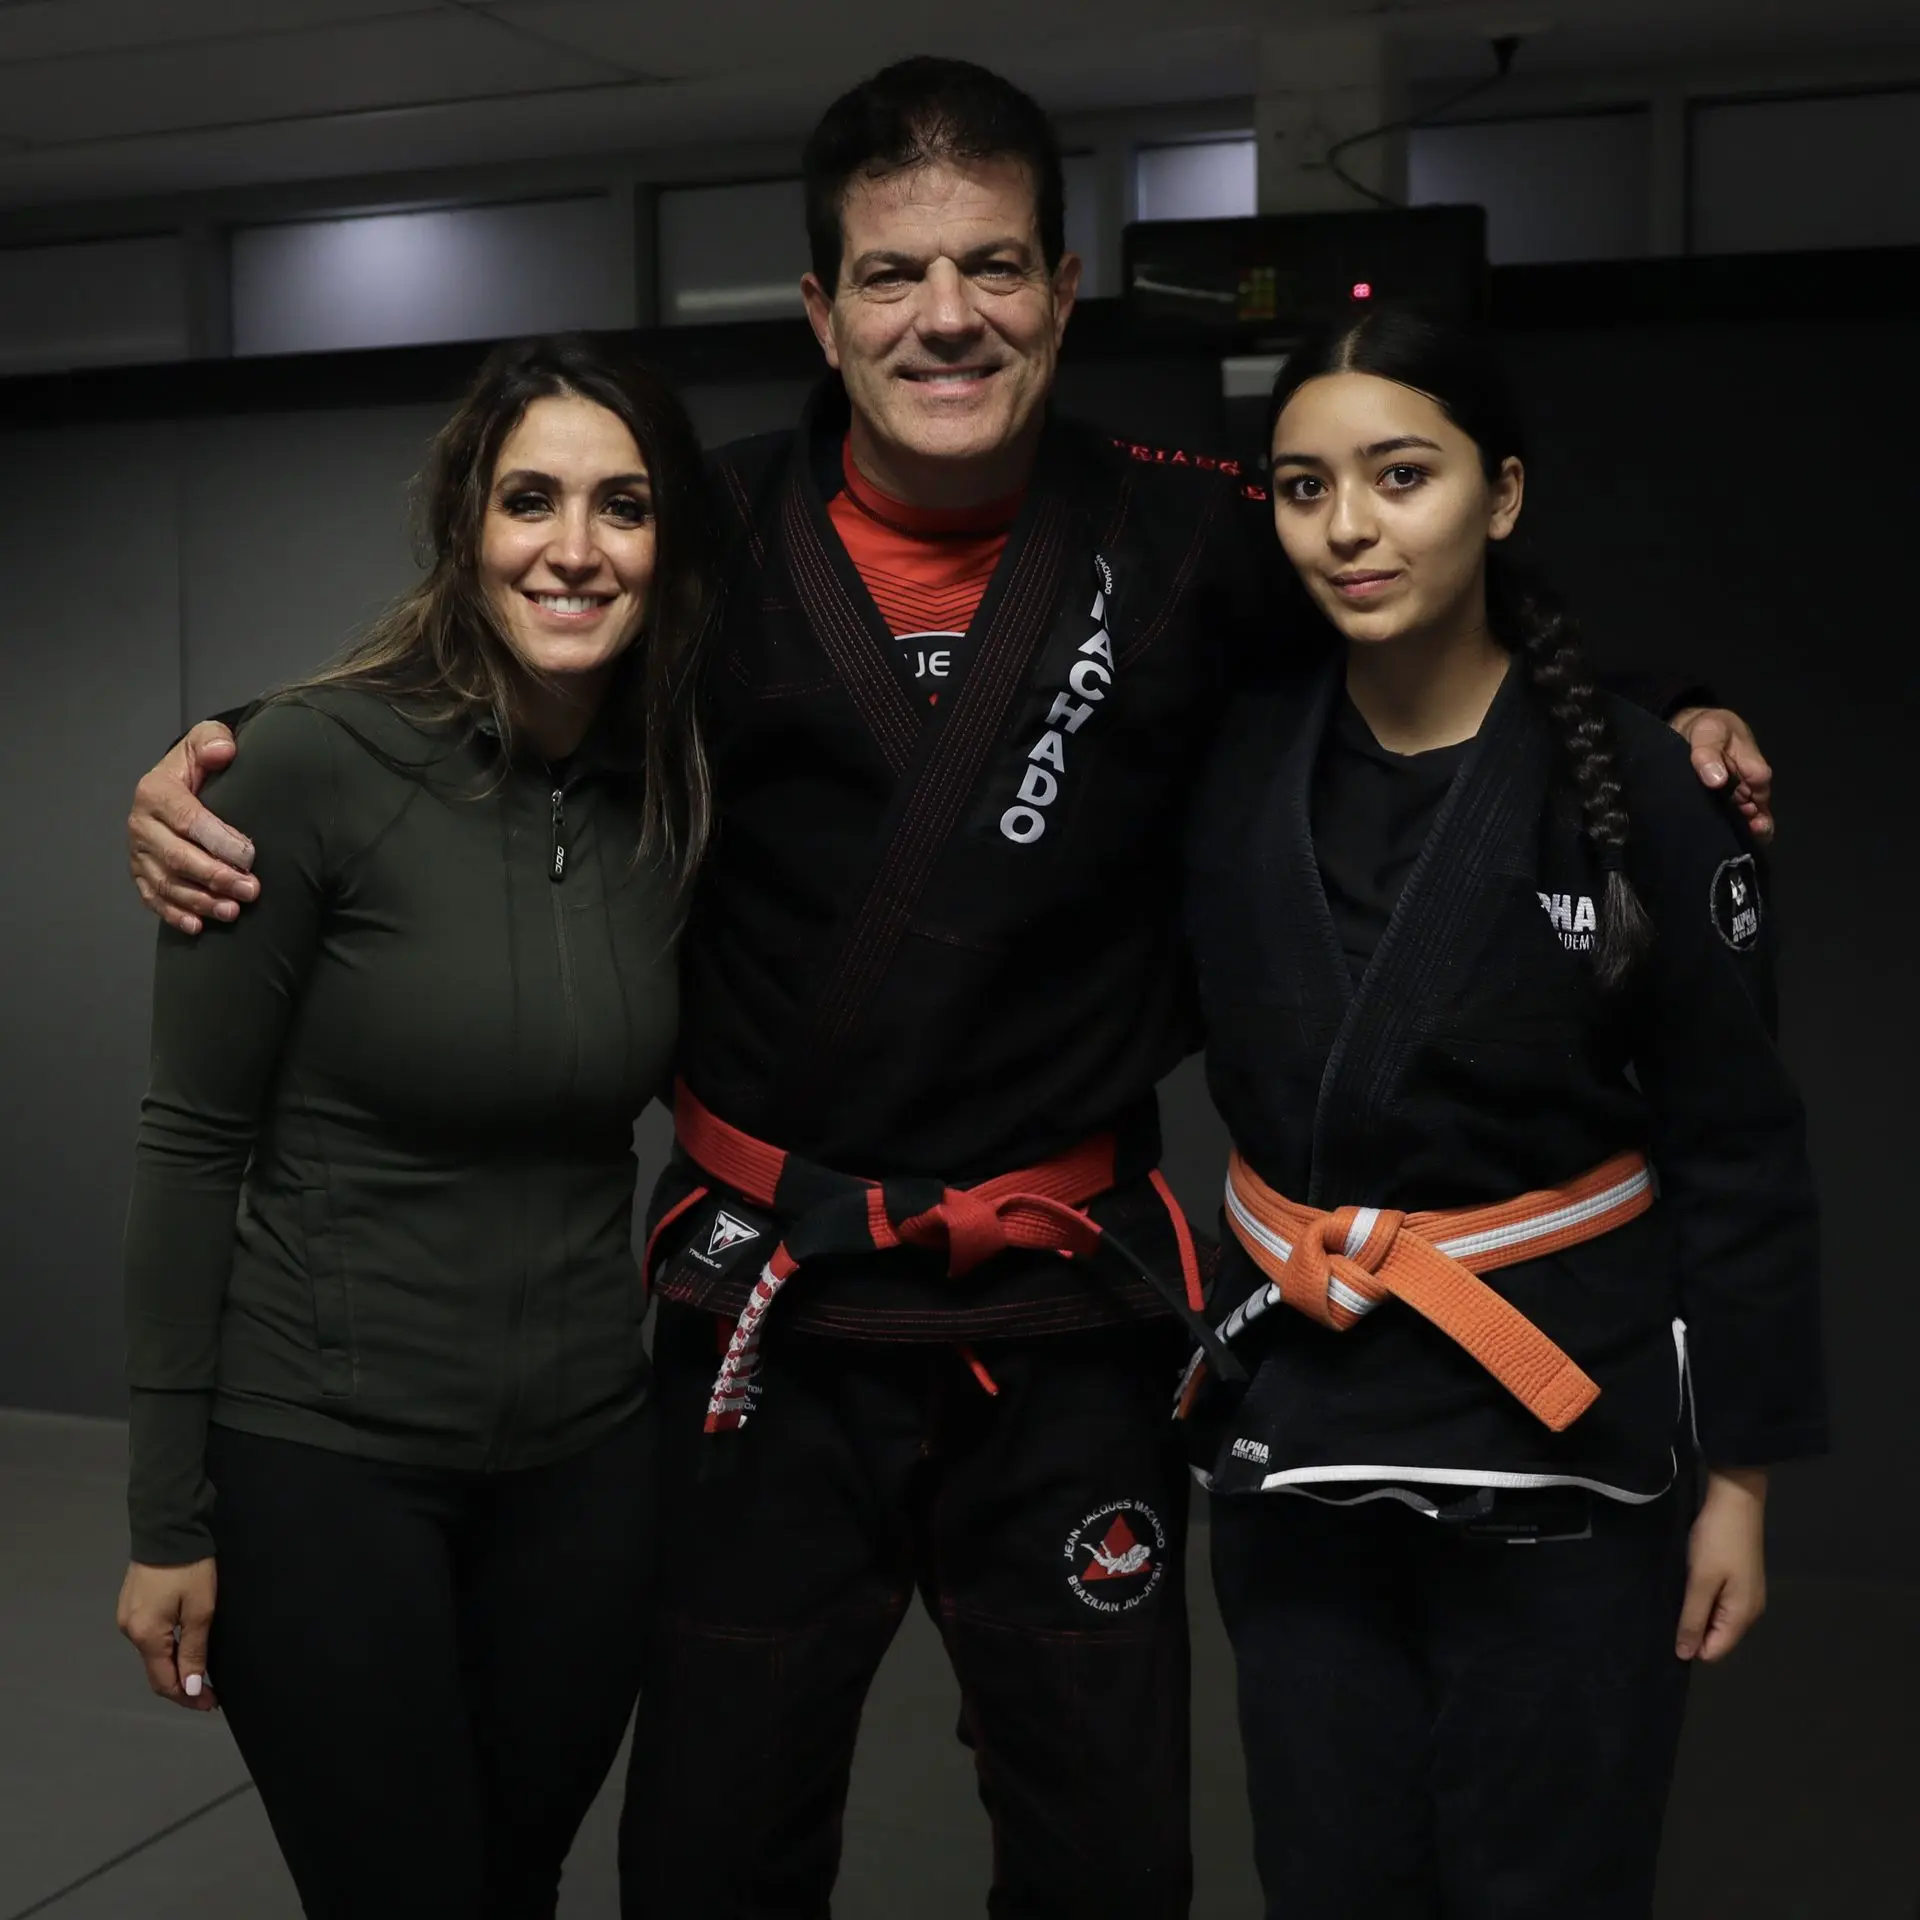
(1363, 289)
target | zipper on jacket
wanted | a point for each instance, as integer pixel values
(509, 1417)
(556, 872)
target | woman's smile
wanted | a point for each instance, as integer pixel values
(570, 610)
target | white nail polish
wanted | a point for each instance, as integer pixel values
(193, 1683)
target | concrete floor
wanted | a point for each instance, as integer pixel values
(1797, 1798)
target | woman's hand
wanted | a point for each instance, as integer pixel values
(1726, 1565)
(188, 865)
(166, 1612)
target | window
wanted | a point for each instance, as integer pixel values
(1199, 180)
(1570, 188)
(732, 253)
(1086, 227)
(459, 273)
(1780, 175)
(92, 303)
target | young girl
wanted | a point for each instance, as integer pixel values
(1521, 1220)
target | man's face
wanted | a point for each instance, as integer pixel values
(946, 327)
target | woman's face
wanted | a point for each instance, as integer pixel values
(567, 548)
(1384, 508)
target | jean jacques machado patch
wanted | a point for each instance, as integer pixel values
(1116, 1556)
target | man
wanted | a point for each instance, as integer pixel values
(971, 658)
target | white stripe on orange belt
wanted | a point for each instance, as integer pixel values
(1337, 1267)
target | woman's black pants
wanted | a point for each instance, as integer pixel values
(1446, 1726)
(429, 1672)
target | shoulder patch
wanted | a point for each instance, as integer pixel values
(1734, 902)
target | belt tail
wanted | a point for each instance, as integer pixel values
(735, 1387)
(1225, 1363)
(1533, 1368)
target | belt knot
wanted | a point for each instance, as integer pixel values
(1332, 1276)
(971, 1228)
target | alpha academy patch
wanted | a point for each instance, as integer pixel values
(1116, 1556)
(1734, 903)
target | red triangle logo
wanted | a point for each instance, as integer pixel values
(1119, 1556)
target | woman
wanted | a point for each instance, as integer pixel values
(389, 1434)
(1483, 970)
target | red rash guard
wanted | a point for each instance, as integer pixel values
(926, 567)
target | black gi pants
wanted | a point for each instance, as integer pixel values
(1044, 1529)
(1443, 1725)
(428, 1673)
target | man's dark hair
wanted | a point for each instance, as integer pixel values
(912, 114)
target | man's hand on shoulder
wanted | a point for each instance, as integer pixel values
(1728, 759)
(187, 864)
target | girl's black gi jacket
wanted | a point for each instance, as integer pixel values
(1476, 1061)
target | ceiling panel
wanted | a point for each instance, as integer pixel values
(1766, 31)
(720, 37)
(1638, 36)
(43, 29)
(256, 91)
(444, 55)
(409, 140)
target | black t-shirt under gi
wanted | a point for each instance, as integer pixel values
(1371, 812)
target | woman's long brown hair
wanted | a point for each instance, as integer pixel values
(439, 647)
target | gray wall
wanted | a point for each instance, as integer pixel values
(90, 641)
(1714, 494)
(153, 575)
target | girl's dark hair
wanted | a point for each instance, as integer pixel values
(1456, 368)
(439, 647)
(912, 114)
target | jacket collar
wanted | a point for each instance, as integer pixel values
(1484, 831)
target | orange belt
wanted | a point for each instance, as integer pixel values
(1041, 1207)
(1337, 1267)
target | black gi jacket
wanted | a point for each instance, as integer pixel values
(946, 942)
(1477, 1061)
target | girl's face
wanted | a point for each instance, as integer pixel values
(1384, 508)
(567, 550)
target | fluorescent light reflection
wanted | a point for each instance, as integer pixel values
(460, 273)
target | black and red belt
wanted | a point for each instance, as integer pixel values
(1041, 1208)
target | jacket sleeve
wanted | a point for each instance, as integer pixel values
(222, 1005)
(1729, 1131)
